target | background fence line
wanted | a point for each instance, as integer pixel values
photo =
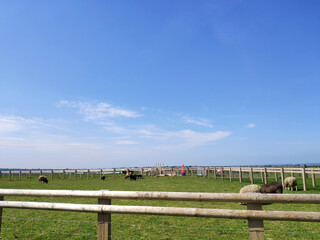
(209, 172)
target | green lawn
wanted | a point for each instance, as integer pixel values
(41, 224)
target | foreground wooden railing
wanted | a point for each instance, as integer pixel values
(253, 214)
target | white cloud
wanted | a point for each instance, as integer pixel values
(99, 111)
(251, 125)
(9, 124)
(125, 142)
(200, 122)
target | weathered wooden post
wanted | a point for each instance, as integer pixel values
(222, 173)
(251, 176)
(256, 229)
(204, 172)
(51, 175)
(282, 176)
(20, 175)
(313, 179)
(88, 174)
(171, 172)
(40, 172)
(265, 176)
(30, 175)
(215, 173)
(1, 199)
(100, 173)
(75, 174)
(275, 176)
(240, 174)
(261, 176)
(208, 170)
(304, 178)
(9, 176)
(291, 173)
(114, 173)
(104, 222)
(63, 174)
(230, 174)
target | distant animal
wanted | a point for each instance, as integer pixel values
(273, 187)
(138, 176)
(103, 178)
(43, 179)
(252, 188)
(133, 177)
(290, 183)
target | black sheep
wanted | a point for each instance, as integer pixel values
(273, 187)
(43, 179)
(103, 178)
(132, 177)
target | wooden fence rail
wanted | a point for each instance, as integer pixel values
(253, 214)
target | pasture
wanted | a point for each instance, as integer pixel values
(42, 224)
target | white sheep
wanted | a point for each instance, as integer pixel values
(290, 182)
(252, 188)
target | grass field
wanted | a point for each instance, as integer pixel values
(41, 224)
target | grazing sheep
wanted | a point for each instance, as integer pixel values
(273, 187)
(43, 179)
(132, 177)
(252, 188)
(103, 178)
(290, 182)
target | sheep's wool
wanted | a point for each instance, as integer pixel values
(253, 188)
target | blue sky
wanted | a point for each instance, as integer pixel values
(90, 84)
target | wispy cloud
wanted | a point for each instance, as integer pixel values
(200, 122)
(99, 111)
(290, 143)
(251, 125)
(125, 142)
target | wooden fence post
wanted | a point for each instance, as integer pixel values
(87, 174)
(222, 173)
(261, 176)
(240, 174)
(230, 174)
(313, 179)
(208, 169)
(172, 172)
(104, 222)
(63, 173)
(291, 173)
(51, 175)
(265, 176)
(215, 173)
(304, 178)
(275, 176)
(114, 173)
(204, 172)
(75, 174)
(282, 176)
(1, 199)
(20, 175)
(251, 176)
(256, 229)
(100, 173)
(9, 175)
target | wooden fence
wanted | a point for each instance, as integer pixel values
(210, 172)
(254, 213)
